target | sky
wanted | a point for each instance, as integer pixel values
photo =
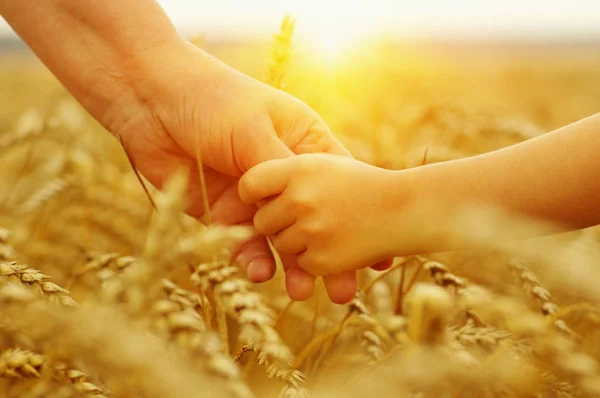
(467, 19)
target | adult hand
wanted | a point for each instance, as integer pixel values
(131, 70)
(197, 105)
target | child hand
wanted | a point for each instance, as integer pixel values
(333, 211)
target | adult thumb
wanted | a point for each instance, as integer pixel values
(261, 145)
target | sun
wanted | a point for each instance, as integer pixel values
(334, 46)
(329, 42)
(330, 45)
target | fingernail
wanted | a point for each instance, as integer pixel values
(258, 271)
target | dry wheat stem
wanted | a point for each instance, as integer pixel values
(400, 294)
(489, 360)
(540, 294)
(112, 347)
(586, 308)
(446, 279)
(46, 193)
(20, 135)
(179, 318)
(104, 196)
(283, 312)
(280, 52)
(18, 177)
(13, 272)
(205, 203)
(104, 266)
(19, 363)
(484, 336)
(294, 378)
(370, 340)
(549, 345)
(256, 321)
(137, 174)
(7, 252)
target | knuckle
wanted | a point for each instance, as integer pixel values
(313, 228)
(309, 164)
(303, 198)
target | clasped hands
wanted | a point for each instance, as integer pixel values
(197, 105)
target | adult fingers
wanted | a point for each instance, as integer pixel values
(341, 288)
(228, 208)
(259, 143)
(256, 259)
(319, 138)
(299, 285)
(273, 217)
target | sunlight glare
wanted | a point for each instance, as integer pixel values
(330, 42)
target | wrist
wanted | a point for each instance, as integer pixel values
(397, 196)
(418, 214)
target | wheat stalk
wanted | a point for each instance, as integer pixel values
(103, 196)
(179, 319)
(7, 252)
(162, 235)
(30, 125)
(370, 340)
(550, 346)
(446, 279)
(484, 336)
(280, 53)
(18, 363)
(13, 272)
(539, 293)
(46, 193)
(255, 319)
(104, 266)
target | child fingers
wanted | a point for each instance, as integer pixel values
(273, 217)
(264, 180)
(289, 241)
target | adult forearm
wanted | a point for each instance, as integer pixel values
(99, 50)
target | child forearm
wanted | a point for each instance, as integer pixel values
(555, 177)
(99, 50)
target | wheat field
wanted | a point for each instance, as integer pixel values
(104, 296)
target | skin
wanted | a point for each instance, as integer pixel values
(172, 104)
(338, 214)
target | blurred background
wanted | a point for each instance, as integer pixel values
(392, 78)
